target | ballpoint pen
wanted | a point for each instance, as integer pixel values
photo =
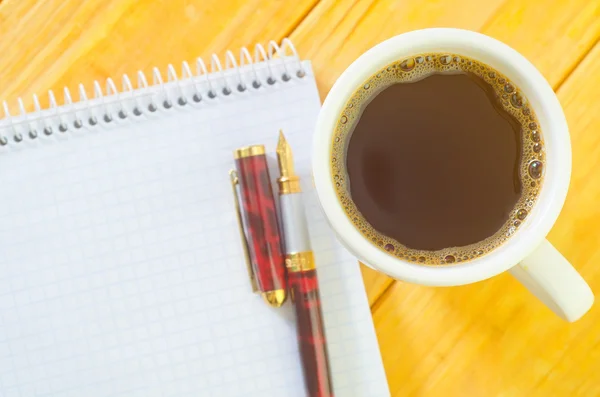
(302, 277)
(262, 238)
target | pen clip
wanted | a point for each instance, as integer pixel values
(233, 176)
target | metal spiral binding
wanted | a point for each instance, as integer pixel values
(277, 64)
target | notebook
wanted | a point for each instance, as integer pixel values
(121, 267)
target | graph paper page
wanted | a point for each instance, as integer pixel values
(122, 272)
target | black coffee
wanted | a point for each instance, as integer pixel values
(437, 159)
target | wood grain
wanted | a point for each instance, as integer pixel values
(554, 34)
(335, 33)
(487, 339)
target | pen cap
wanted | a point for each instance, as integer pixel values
(260, 218)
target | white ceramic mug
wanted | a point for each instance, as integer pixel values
(527, 255)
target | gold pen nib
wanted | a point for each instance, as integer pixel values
(289, 182)
(285, 156)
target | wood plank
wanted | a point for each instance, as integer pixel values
(334, 34)
(494, 338)
(54, 43)
(554, 35)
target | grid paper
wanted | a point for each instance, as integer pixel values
(122, 273)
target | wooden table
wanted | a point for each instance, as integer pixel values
(487, 339)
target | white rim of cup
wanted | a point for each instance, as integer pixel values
(541, 99)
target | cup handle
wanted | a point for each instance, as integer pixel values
(552, 279)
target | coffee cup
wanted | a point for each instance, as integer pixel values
(527, 255)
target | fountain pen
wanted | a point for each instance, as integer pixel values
(302, 277)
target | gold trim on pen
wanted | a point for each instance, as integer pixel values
(300, 261)
(289, 185)
(248, 151)
(233, 177)
(274, 298)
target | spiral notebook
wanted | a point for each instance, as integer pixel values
(121, 268)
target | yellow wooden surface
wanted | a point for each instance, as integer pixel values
(487, 339)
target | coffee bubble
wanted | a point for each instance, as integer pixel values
(407, 65)
(516, 100)
(536, 169)
(445, 59)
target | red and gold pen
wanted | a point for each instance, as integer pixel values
(302, 278)
(263, 245)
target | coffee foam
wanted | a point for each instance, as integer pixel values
(411, 70)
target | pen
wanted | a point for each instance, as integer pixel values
(263, 246)
(302, 277)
